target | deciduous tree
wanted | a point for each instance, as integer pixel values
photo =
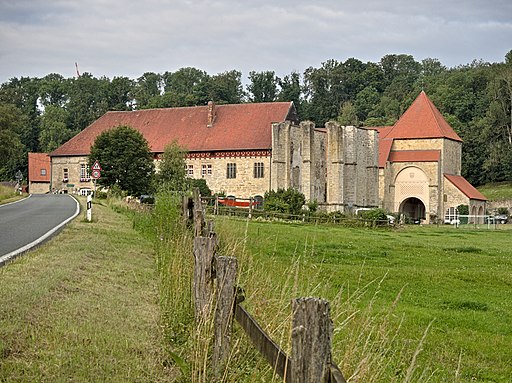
(125, 159)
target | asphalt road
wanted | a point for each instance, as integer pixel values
(27, 223)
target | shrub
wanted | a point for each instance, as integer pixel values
(376, 216)
(284, 201)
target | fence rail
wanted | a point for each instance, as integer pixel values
(310, 360)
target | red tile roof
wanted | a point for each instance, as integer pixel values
(384, 149)
(465, 187)
(421, 120)
(415, 156)
(235, 127)
(37, 162)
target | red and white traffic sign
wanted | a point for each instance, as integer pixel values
(95, 174)
(96, 166)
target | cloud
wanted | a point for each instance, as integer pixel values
(132, 37)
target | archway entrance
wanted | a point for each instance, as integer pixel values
(413, 208)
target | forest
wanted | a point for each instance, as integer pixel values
(39, 114)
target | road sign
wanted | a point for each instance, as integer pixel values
(95, 174)
(96, 166)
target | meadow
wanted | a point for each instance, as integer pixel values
(111, 300)
(420, 303)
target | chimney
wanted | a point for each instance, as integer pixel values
(211, 114)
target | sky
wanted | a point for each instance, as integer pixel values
(128, 38)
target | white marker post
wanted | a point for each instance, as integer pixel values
(89, 207)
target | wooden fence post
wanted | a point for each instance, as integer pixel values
(311, 341)
(199, 223)
(204, 251)
(226, 273)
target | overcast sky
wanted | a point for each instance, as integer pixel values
(127, 38)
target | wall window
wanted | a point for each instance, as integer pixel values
(206, 170)
(84, 173)
(190, 170)
(65, 175)
(43, 172)
(231, 171)
(258, 169)
(452, 214)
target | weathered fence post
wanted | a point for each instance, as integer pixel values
(199, 223)
(226, 273)
(311, 341)
(204, 251)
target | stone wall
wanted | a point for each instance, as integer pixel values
(298, 159)
(245, 184)
(352, 167)
(38, 187)
(451, 157)
(73, 166)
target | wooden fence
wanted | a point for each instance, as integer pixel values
(253, 209)
(310, 359)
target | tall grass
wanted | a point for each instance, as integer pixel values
(7, 193)
(366, 343)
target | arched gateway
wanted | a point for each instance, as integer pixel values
(411, 193)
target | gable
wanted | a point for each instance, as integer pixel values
(36, 163)
(465, 187)
(421, 120)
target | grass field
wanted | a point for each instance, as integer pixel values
(459, 281)
(497, 192)
(84, 308)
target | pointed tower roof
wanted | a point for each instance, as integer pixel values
(421, 120)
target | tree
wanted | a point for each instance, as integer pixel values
(263, 86)
(291, 90)
(54, 131)
(348, 115)
(119, 94)
(88, 100)
(226, 88)
(171, 171)
(147, 88)
(125, 159)
(185, 87)
(12, 151)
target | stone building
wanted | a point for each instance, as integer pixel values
(39, 168)
(420, 166)
(244, 150)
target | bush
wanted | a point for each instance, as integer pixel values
(204, 190)
(376, 216)
(503, 210)
(284, 201)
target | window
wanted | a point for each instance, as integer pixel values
(452, 215)
(43, 172)
(258, 169)
(231, 171)
(206, 170)
(84, 173)
(65, 176)
(190, 170)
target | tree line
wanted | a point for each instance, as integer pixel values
(39, 114)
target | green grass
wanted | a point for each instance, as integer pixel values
(84, 308)
(460, 280)
(497, 192)
(7, 194)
